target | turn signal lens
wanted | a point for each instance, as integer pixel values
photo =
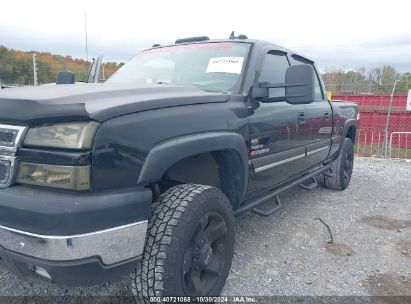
(64, 177)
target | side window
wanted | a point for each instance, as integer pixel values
(318, 92)
(273, 71)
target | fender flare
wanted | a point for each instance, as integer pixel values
(165, 154)
(351, 122)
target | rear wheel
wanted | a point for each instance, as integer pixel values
(189, 245)
(341, 168)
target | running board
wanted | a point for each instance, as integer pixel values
(276, 204)
(254, 204)
(328, 173)
(309, 186)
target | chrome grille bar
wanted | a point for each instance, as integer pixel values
(11, 138)
(7, 166)
(4, 171)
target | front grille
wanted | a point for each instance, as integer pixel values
(5, 166)
(8, 137)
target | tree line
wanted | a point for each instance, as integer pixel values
(16, 67)
(367, 81)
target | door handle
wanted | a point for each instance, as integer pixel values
(301, 117)
(326, 116)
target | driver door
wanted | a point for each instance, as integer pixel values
(276, 151)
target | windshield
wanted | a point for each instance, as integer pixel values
(209, 66)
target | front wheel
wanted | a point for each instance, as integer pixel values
(189, 244)
(341, 168)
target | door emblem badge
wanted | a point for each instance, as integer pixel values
(255, 141)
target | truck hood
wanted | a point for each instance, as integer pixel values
(97, 101)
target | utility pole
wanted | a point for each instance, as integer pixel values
(387, 123)
(34, 70)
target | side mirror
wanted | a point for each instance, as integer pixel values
(94, 71)
(65, 77)
(299, 84)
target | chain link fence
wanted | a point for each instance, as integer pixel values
(372, 138)
(381, 144)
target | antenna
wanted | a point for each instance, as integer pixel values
(85, 31)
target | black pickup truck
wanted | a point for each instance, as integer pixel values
(145, 173)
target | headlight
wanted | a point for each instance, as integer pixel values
(64, 177)
(75, 135)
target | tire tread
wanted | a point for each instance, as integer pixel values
(167, 213)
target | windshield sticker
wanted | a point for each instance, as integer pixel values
(225, 65)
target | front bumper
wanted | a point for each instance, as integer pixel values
(91, 234)
(88, 271)
(56, 212)
(111, 245)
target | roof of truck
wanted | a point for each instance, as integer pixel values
(256, 42)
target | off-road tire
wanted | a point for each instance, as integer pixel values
(341, 168)
(171, 227)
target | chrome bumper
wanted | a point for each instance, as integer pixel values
(111, 245)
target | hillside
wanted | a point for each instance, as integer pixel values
(16, 67)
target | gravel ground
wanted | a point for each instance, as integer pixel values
(288, 254)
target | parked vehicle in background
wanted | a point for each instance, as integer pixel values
(144, 173)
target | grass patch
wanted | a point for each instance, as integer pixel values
(377, 150)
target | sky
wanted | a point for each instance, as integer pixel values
(345, 34)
